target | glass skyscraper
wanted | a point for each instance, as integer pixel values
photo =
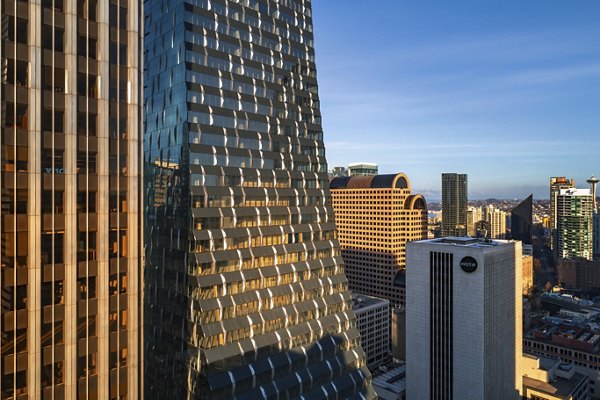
(70, 143)
(245, 290)
(521, 221)
(454, 204)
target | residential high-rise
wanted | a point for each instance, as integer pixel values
(454, 204)
(596, 235)
(70, 205)
(593, 181)
(574, 226)
(362, 169)
(497, 221)
(463, 319)
(521, 221)
(474, 215)
(556, 184)
(245, 290)
(376, 216)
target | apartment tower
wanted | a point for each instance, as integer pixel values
(454, 204)
(70, 209)
(463, 319)
(574, 227)
(245, 290)
(556, 184)
(376, 216)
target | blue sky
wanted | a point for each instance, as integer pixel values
(505, 91)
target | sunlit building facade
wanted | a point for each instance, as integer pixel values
(376, 217)
(70, 209)
(574, 224)
(245, 291)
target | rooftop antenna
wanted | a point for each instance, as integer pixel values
(593, 181)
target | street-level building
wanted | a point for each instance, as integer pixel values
(550, 379)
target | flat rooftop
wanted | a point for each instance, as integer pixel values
(561, 387)
(393, 380)
(467, 241)
(362, 301)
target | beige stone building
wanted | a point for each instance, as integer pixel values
(70, 210)
(376, 216)
(550, 379)
(527, 275)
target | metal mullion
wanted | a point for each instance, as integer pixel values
(15, 262)
(53, 192)
(119, 249)
(1, 134)
(87, 205)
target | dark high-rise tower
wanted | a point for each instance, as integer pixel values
(521, 221)
(70, 204)
(246, 294)
(454, 204)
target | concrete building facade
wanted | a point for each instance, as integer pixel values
(556, 185)
(376, 217)
(574, 224)
(373, 323)
(474, 215)
(463, 319)
(70, 205)
(454, 204)
(550, 379)
(245, 290)
(596, 235)
(363, 169)
(497, 222)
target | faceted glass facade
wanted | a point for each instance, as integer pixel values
(245, 289)
(70, 214)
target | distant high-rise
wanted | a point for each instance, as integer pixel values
(596, 235)
(362, 169)
(70, 204)
(497, 220)
(463, 319)
(376, 216)
(574, 214)
(521, 221)
(338, 171)
(454, 204)
(593, 181)
(474, 215)
(556, 184)
(245, 291)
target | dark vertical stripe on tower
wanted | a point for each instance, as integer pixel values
(441, 327)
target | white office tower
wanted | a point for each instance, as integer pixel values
(463, 319)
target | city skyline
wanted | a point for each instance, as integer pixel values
(520, 72)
